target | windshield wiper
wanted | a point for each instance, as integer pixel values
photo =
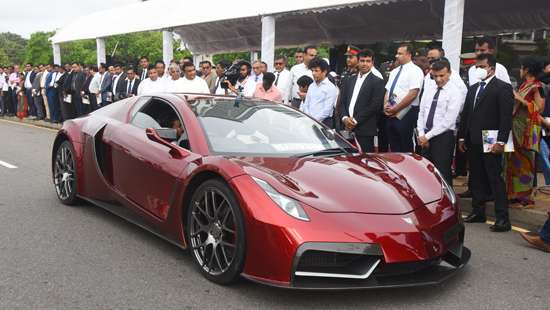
(332, 151)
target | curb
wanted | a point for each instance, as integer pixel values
(531, 219)
(42, 124)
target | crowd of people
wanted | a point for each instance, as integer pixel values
(460, 122)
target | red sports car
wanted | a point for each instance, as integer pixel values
(257, 189)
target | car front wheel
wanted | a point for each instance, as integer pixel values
(64, 173)
(215, 232)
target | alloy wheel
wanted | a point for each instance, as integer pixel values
(213, 236)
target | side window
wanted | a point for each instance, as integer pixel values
(138, 105)
(158, 114)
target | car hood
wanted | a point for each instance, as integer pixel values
(377, 184)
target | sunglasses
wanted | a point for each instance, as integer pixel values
(279, 63)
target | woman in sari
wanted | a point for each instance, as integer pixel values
(526, 132)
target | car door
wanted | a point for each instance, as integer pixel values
(146, 166)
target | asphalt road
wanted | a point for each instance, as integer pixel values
(58, 257)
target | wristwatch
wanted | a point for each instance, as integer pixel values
(501, 143)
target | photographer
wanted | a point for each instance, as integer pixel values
(244, 83)
(217, 89)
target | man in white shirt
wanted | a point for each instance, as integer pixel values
(2, 84)
(401, 100)
(43, 90)
(300, 69)
(191, 83)
(283, 79)
(174, 83)
(486, 45)
(437, 118)
(151, 85)
(321, 95)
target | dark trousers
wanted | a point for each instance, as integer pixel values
(383, 144)
(67, 110)
(461, 162)
(366, 143)
(400, 131)
(328, 122)
(440, 153)
(77, 103)
(93, 102)
(30, 102)
(545, 231)
(39, 106)
(486, 178)
(296, 103)
(11, 105)
(2, 105)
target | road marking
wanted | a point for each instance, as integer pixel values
(7, 165)
(28, 125)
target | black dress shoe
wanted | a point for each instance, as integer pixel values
(475, 218)
(466, 194)
(501, 226)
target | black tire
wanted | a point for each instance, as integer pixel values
(64, 173)
(216, 237)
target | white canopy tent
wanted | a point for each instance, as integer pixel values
(209, 28)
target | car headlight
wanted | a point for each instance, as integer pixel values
(447, 189)
(289, 205)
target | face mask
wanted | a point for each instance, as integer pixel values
(481, 74)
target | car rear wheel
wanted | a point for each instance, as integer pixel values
(64, 173)
(215, 232)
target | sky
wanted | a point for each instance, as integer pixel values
(24, 17)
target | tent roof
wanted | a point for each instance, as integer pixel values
(231, 26)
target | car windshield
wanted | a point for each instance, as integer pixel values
(262, 128)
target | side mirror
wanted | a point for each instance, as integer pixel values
(155, 136)
(169, 134)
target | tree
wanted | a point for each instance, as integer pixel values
(4, 59)
(82, 51)
(39, 49)
(13, 46)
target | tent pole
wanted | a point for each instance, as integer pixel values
(167, 47)
(101, 58)
(56, 54)
(268, 41)
(453, 22)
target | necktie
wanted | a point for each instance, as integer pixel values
(481, 89)
(394, 83)
(431, 114)
(277, 78)
(129, 87)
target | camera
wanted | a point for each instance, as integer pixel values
(230, 74)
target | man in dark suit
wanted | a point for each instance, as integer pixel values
(143, 68)
(37, 94)
(30, 74)
(361, 101)
(105, 85)
(129, 86)
(488, 106)
(77, 83)
(117, 86)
